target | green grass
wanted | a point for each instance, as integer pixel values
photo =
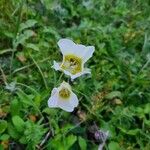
(115, 98)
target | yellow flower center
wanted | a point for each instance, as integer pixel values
(64, 93)
(72, 63)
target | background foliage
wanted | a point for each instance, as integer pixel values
(117, 96)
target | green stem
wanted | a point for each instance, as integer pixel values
(17, 29)
(40, 71)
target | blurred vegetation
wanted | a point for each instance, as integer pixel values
(117, 96)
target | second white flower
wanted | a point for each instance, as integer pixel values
(63, 97)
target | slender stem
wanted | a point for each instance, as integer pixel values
(33, 90)
(45, 139)
(17, 29)
(145, 65)
(40, 72)
(5, 51)
(60, 77)
(28, 66)
(74, 127)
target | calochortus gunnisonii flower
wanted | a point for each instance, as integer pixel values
(63, 97)
(74, 58)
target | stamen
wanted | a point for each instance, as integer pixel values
(64, 93)
(72, 63)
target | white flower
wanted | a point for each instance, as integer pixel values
(63, 97)
(74, 58)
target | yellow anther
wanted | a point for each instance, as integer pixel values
(72, 63)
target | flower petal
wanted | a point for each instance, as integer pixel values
(84, 52)
(64, 85)
(54, 91)
(89, 52)
(53, 100)
(66, 46)
(65, 105)
(56, 66)
(85, 71)
(69, 47)
(80, 50)
(74, 100)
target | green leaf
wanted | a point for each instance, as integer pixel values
(50, 4)
(32, 46)
(108, 127)
(114, 146)
(3, 125)
(82, 143)
(23, 37)
(37, 100)
(147, 108)
(15, 107)
(130, 132)
(28, 24)
(147, 122)
(12, 131)
(133, 132)
(24, 98)
(23, 140)
(113, 94)
(52, 112)
(4, 137)
(18, 123)
(70, 140)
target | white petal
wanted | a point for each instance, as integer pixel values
(69, 47)
(64, 85)
(85, 71)
(89, 52)
(66, 46)
(80, 50)
(65, 105)
(74, 100)
(73, 76)
(54, 91)
(84, 52)
(53, 100)
(69, 104)
(67, 72)
(56, 66)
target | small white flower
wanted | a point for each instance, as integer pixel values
(74, 58)
(63, 97)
